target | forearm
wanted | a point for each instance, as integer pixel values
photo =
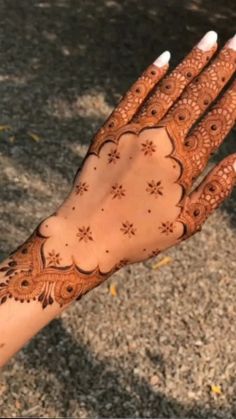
(33, 290)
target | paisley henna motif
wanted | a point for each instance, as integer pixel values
(27, 277)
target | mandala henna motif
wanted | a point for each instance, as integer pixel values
(208, 197)
(128, 105)
(27, 277)
(172, 86)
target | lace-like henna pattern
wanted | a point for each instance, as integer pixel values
(159, 150)
(209, 134)
(217, 186)
(128, 106)
(199, 95)
(27, 277)
(170, 88)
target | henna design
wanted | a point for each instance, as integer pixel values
(128, 229)
(27, 278)
(117, 191)
(84, 234)
(81, 188)
(154, 188)
(166, 228)
(113, 156)
(128, 106)
(30, 274)
(171, 87)
(53, 258)
(148, 148)
(199, 95)
(212, 191)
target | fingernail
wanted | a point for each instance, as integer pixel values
(232, 43)
(163, 59)
(208, 41)
(234, 165)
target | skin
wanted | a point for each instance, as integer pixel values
(132, 198)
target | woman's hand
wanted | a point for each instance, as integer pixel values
(133, 196)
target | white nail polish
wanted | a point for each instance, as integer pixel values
(232, 43)
(163, 59)
(208, 41)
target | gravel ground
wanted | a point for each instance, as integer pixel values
(159, 346)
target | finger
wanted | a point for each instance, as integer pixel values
(201, 93)
(133, 99)
(173, 85)
(208, 135)
(213, 190)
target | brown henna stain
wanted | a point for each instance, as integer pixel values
(2, 345)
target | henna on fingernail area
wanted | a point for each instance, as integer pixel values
(234, 166)
(208, 41)
(163, 59)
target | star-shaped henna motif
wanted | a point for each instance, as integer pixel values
(148, 148)
(84, 234)
(167, 228)
(113, 156)
(81, 188)
(128, 229)
(154, 188)
(53, 258)
(117, 191)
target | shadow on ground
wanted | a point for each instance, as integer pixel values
(83, 378)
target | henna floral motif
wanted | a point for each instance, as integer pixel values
(113, 156)
(148, 148)
(81, 188)
(166, 228)
(155, 188)
(84, 234)
(117, 191)
(29, 274)
(128, 229)
(53, 258)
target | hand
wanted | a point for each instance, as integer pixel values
(132, 198)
